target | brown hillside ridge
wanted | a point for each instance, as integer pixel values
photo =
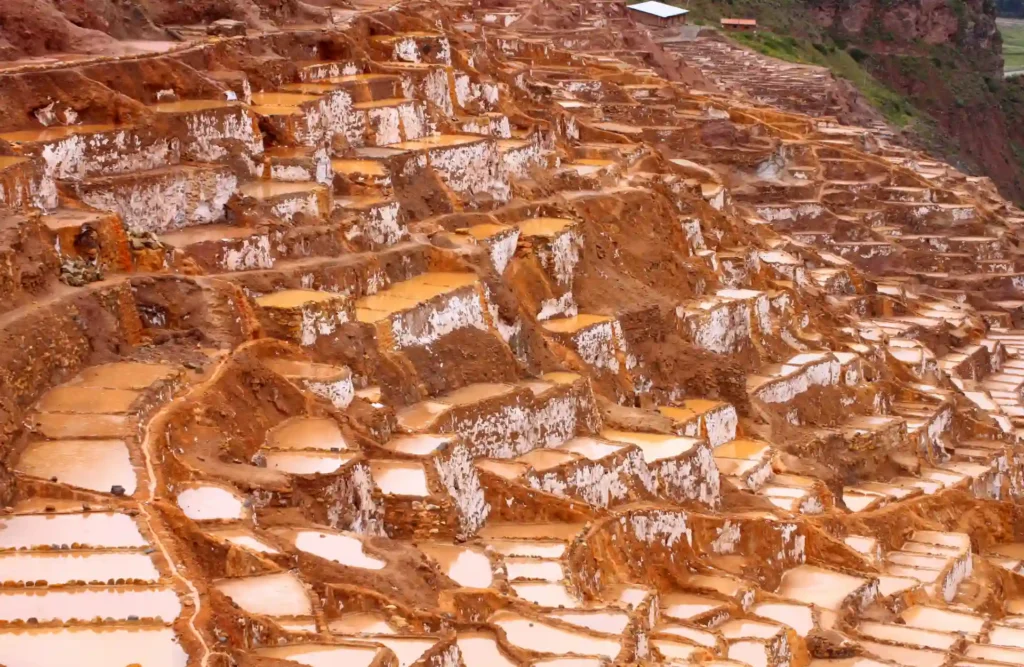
(489, 335)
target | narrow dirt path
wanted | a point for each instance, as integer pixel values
(151, 432)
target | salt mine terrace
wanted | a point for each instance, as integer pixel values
(463, 334)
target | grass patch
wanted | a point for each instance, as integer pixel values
(843, 63)
(789, 17)
(1013, 43)
(1013, 62)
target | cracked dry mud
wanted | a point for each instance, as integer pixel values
(493, 336)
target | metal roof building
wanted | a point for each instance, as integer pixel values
(657, 13)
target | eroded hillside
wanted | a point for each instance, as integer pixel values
(448, 334)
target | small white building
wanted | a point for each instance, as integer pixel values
(659, 14)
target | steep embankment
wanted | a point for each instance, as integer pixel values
(934, 66)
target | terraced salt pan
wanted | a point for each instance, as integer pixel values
(537, 636)
(298, 624)
(59, 426)
(674, 650)
(1002, 635)
(695, 635)
(542, 460)
(739, 628)
(244, 538)
(480, 649)
(504, 469)
(88, 604)
(546, 595)
(531, 531)
(894, 585)
(54, 133)
(149, 647)
(753, 653)
(87, 400)
(337, 547)
(608, 622)
(322, 655)
(921, 575)
(1012, 550)
(95, 529)
(268, 189)
(743, 449)
(683, 606)
(331, 382)
(923, 561)
(535, 549)
(97, 465)
(400, 478)
(279, 594)
(123, 375)
(307, 433)
(295, 298)
(591, 448)
(467, 567)
(205, 503)
(360, 622)
(407, 649)
(533, 568)
(944, 620)
(1010, 656)
(307, 463)
(63, 568)
(817, 586)
(797, 616)
(907, 635)
(418, 445)
(655, 446)
(906, 656)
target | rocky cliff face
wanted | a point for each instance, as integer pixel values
(915, 23)
(945, 57)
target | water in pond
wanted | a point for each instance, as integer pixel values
(88, 400)
(536, 636)
(407, 649)
(467, 567)
(361, 622)
(546, 594)
(97, 465)
(280, 594)
(95, 529)
(480, 649)
(88, 604)
(307, 463)
(203, 503)
(88, 647)
(320, 655)
(307, 433)
(123, 375)
(400, 478)
(294, 298)
(338, 547)
(63, 568)
(244, 538)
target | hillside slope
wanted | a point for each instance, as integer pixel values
(943, 56)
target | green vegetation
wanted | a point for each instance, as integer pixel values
(1013, 44)
(788, 17)
(844, 63)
